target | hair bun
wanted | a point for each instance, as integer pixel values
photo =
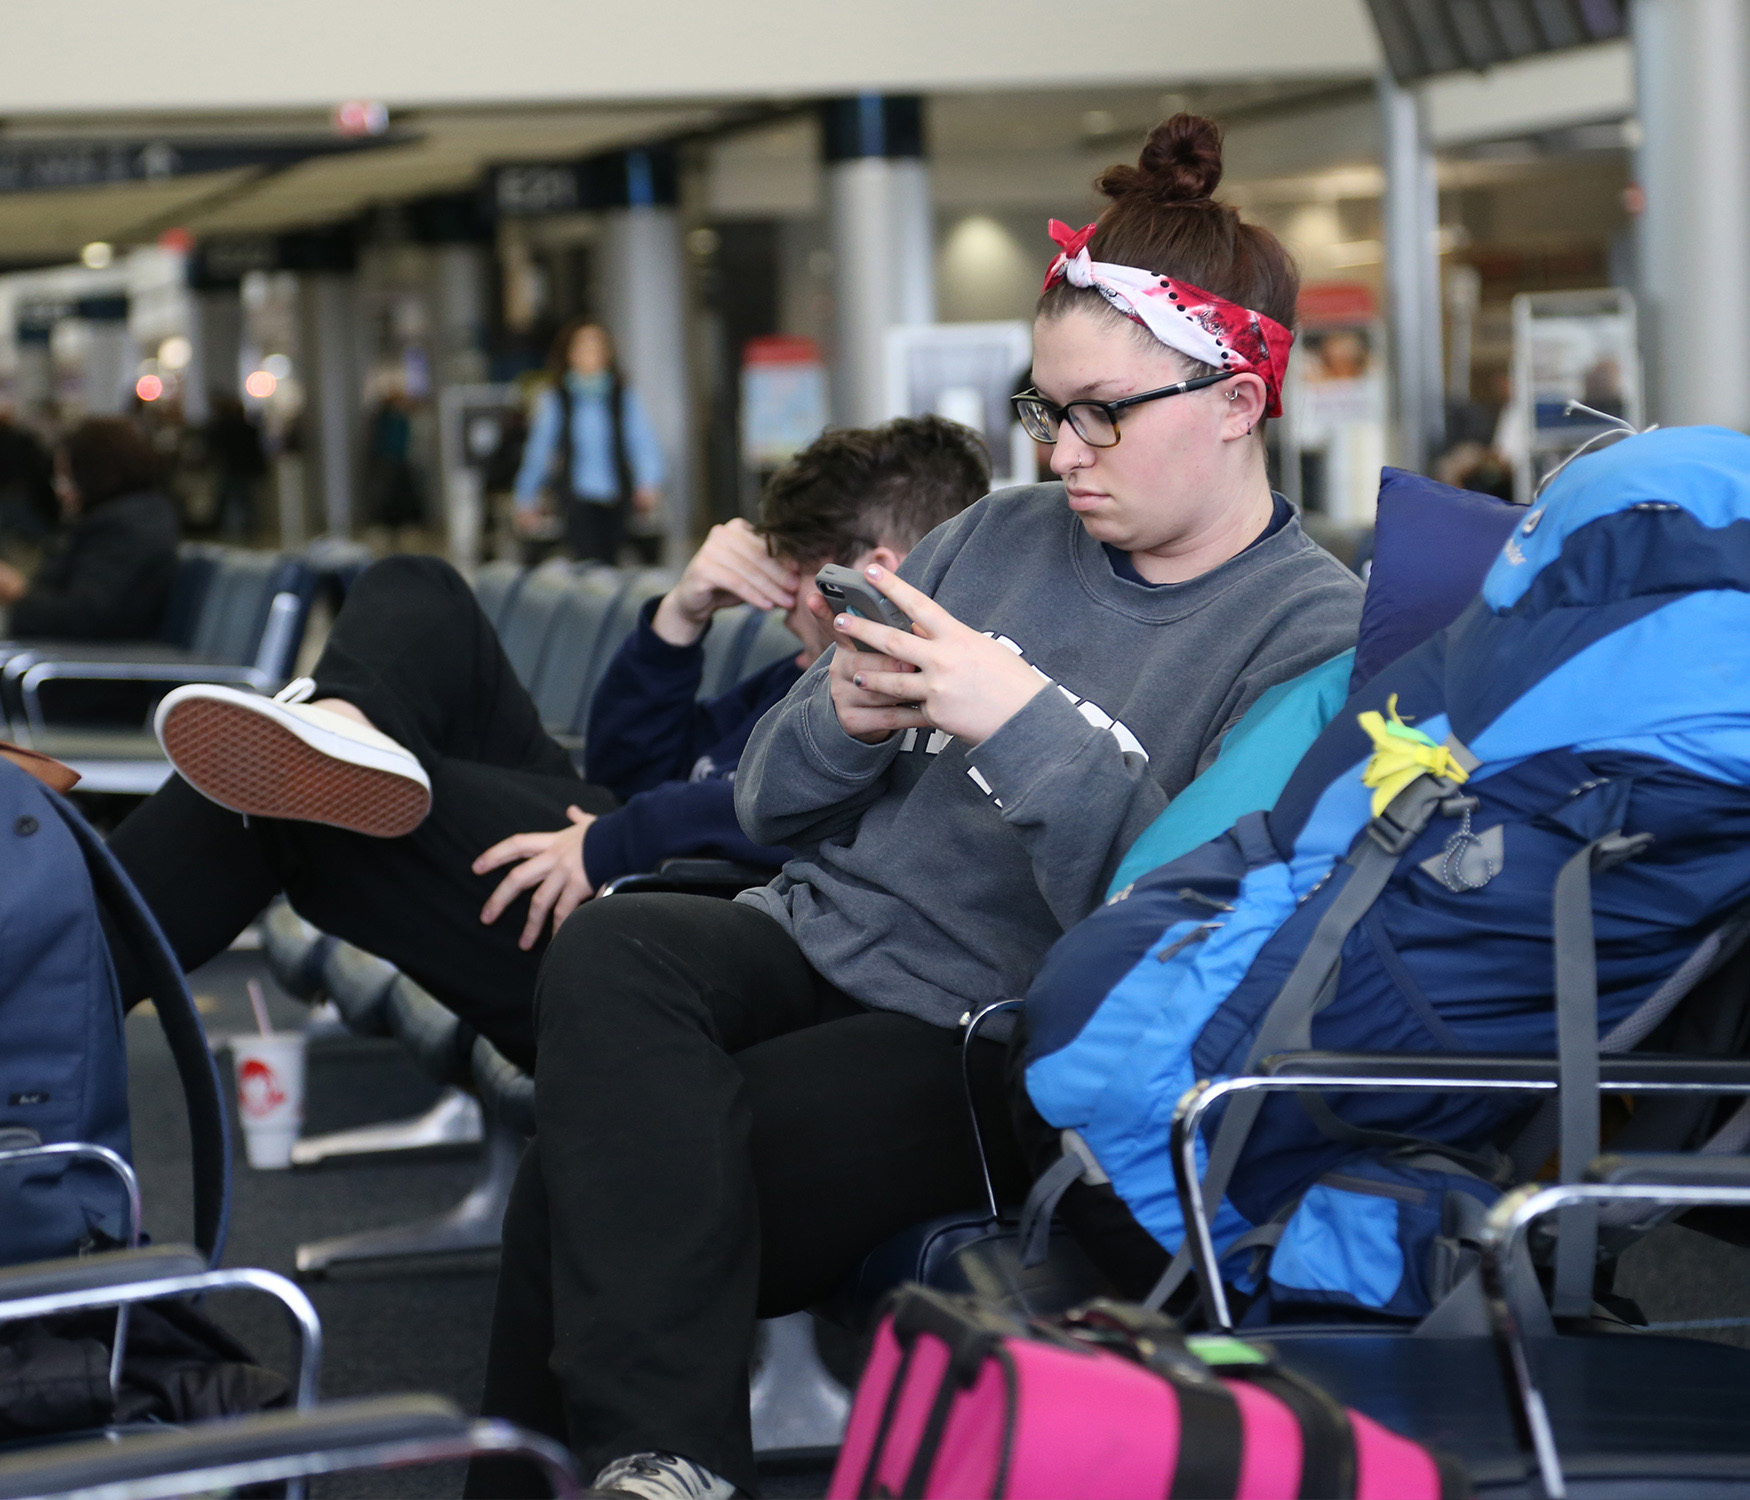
(1180, 163)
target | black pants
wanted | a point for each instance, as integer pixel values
(413, 651)
(594, 531)
(721, 1134)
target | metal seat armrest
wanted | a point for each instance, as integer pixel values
(974, 1025)
(1650, 1071)
(30, 681)
(125, 1277)
(117, 1271)
(1657, 1181)
(374, 1432)
(1671, 1170)
(687, 876)
(1394, 1073)
(86, 1151)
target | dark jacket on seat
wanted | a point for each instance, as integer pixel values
(108, 579)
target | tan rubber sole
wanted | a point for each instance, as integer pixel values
(245, 761)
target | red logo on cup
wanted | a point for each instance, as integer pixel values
(258, 1090)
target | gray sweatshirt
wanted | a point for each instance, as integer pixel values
(930, 878)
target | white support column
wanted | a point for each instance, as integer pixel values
(333, 390)
(1692, 64)
(1412, 274)
(110, 357)
(216, 336)
(882, 235)
(458, 290)
(641, 291)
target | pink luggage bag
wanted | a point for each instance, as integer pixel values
(959, 1401)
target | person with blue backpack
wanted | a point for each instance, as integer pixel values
(735, 1101)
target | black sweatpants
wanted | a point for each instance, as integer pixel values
(720, 1134)
(411, 649)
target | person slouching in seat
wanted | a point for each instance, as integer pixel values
(108, 576)
(391, 796)
(735, 1101)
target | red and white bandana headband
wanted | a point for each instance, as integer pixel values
(1197, 323)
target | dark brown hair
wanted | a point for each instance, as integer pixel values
(106, 458)
(1162, 218)
(559, 351)
(855, 488)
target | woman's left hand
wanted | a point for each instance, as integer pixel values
(966, 683)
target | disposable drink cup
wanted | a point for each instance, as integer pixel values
(270, 1095)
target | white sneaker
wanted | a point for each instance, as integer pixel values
(278, 758)
(660, 1476)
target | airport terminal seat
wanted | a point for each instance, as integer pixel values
(234, 616)
(310, 1439)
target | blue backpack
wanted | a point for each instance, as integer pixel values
(1549, 798)
(63, 1052)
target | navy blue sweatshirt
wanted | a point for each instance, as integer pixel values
(670, 758)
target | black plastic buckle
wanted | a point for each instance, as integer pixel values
(1400, 823)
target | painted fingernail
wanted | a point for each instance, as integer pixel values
(841, 621)
(858, 679)
(873, 570)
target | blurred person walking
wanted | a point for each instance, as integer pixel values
(394, 492)
(109, 577)
(592, 428)
(239, 461)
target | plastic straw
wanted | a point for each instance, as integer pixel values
(258, 1003)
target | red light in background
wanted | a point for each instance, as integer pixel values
(177, 239)
(361, 117)
(260, 384)
(148, 387)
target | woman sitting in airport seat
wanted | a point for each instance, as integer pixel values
(109, 576)
(735, 1101)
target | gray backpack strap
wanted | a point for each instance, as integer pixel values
(1576, 984)
(1287, 1025)
(1531, 1148)
(1042, 1200)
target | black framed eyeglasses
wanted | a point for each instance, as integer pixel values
(1094, 422)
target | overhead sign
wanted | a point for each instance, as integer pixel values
(222, 261)
(642, 178)
(48, 165)
(36, 316)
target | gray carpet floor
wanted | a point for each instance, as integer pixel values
(423, 1327)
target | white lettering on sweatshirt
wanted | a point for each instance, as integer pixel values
(1092, 712)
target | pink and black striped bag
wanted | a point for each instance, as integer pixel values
(1107, 1403)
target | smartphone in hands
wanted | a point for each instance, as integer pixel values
(849, 592)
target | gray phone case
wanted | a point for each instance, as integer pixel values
(845, 589)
